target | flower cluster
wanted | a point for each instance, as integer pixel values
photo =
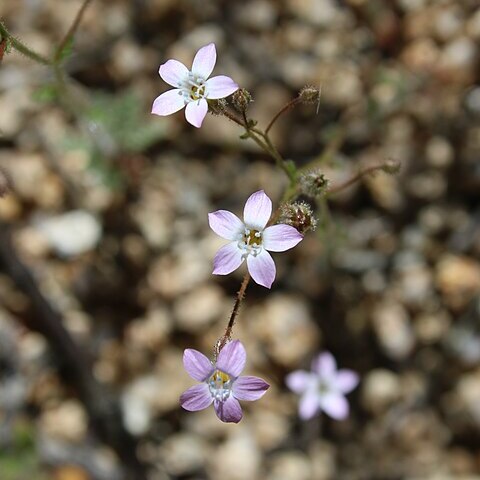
(250, 241)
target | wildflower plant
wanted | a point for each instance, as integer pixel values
(262, 230)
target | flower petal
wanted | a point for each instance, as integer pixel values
(169, 102)
(249, 388)
(228, 411)
(205, 60)
(196, 398)
(262, 268)
(325, 366)
(346, 380)
(226, 224)
(195, 112)
(335, 405)
(279, 238)
(220, 86)
(197, 365)
(299, 381)
(173, 72)
(257, 211)
(227, 259)
(309, 405)
(232, 358)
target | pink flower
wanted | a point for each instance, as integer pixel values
(192, 87)
(250, 239)
(221, 383)
(323, 388)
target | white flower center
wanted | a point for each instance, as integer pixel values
(250, 242)
(220, 385)
(193, 88)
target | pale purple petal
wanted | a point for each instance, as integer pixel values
(335, 405)
(196, 111)
(299, 381)
(308, 406)
(220, 87)
(228, 411)
(167, 103)
(249, 388)
(197, 365)
(226, 224)
(204, 61)
(257, 211)
(325, 366)
(227, 259)
(262, 268)
(232, 358)
(196, 398)
(173, 72)
(346, 380)
(279, 238)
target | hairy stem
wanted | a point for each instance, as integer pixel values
(22, 48)
(355, 178)
(70, 32)
(236, 308)
(284, 109)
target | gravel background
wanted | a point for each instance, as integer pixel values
(109, 213)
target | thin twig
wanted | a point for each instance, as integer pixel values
(284, 109)
(354, 179)
(236, 307)
(71, 32)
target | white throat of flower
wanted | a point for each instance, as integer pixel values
(220, 385)
(193, 88)
(250, 242)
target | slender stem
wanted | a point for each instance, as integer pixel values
(22, 48)
(71, 32)
(236, 307)
(284, 109)
(355, 179)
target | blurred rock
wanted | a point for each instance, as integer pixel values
(284, 320)
(293, 465)
(197, 309)
(67, 421)
(380, 389)
(392, 327)
(184, 453)
(458, 279)
(72, 233)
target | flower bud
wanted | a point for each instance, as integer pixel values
(6, 184)
(391, 166)
(217, 107)
(313, 183)
(310, 94)
(241, 99)
(298, 215)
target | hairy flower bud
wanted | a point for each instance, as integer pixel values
(313, 183)
(5, 183)
(217, 107)
(310, 94)
(241, 99)
(391, 166)
(298, 215)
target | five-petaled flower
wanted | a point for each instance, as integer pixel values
(192, 87)
(250, 239)
(221, 382)
(323, 388)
